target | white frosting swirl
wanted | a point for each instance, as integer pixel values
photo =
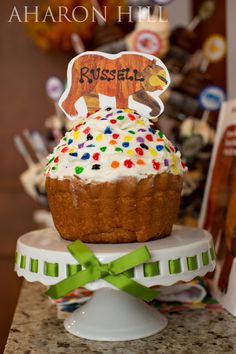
(110, 144)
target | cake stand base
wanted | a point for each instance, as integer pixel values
(112, 315)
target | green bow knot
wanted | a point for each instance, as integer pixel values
(105, 269)
(112, 272)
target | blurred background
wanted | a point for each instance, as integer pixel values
(193, 39)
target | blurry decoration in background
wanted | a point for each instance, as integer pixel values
(211, 98)
(34, 147)
(214, 48)
(77, 43)
(162, 2)
(33, 179)
(147, 41)
(193, 79)
(193, 97)
(206, 10)
(57, 35)
(195, 134)
(218, 213)
(183, 100)
(184, 41)
(196, 138)
(55, 124)
(107, 36)
(54, 88)
(150, 35)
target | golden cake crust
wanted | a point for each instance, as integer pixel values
(124, 210)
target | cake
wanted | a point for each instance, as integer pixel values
(114, 179)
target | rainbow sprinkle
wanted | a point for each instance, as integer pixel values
(115, 140)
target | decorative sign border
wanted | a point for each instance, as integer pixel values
(211, 98)
(147, 41)
(214, 48)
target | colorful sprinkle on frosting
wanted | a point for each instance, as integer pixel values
(110, 144)
(78, 170)
(115, 164)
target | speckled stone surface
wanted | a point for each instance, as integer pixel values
(36, 330)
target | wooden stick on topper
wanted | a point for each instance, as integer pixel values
(125, 80)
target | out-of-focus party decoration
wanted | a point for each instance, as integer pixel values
(150, 35)
(211, 98)
(147, 41)
(33, 179)
(34, 147)
(55, 124)
(54, 88)
(162, 2)
(205, 11)
(214, 48)
(184, 41)
(193, 99)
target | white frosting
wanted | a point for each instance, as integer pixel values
(110, 144)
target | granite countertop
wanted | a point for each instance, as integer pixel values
(36, 330)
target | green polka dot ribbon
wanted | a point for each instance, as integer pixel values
(114, 272)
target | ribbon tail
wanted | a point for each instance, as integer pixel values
(130, 260)
(131, 287)
(83, 254)
(73, 282)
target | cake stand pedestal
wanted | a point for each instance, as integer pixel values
(113, 315)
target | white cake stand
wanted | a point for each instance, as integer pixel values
(113, 315)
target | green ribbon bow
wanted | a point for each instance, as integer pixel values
(111, 272)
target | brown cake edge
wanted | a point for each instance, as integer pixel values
(124, 210)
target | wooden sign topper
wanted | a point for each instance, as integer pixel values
(125, 80)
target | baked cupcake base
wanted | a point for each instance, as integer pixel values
(126, 210)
